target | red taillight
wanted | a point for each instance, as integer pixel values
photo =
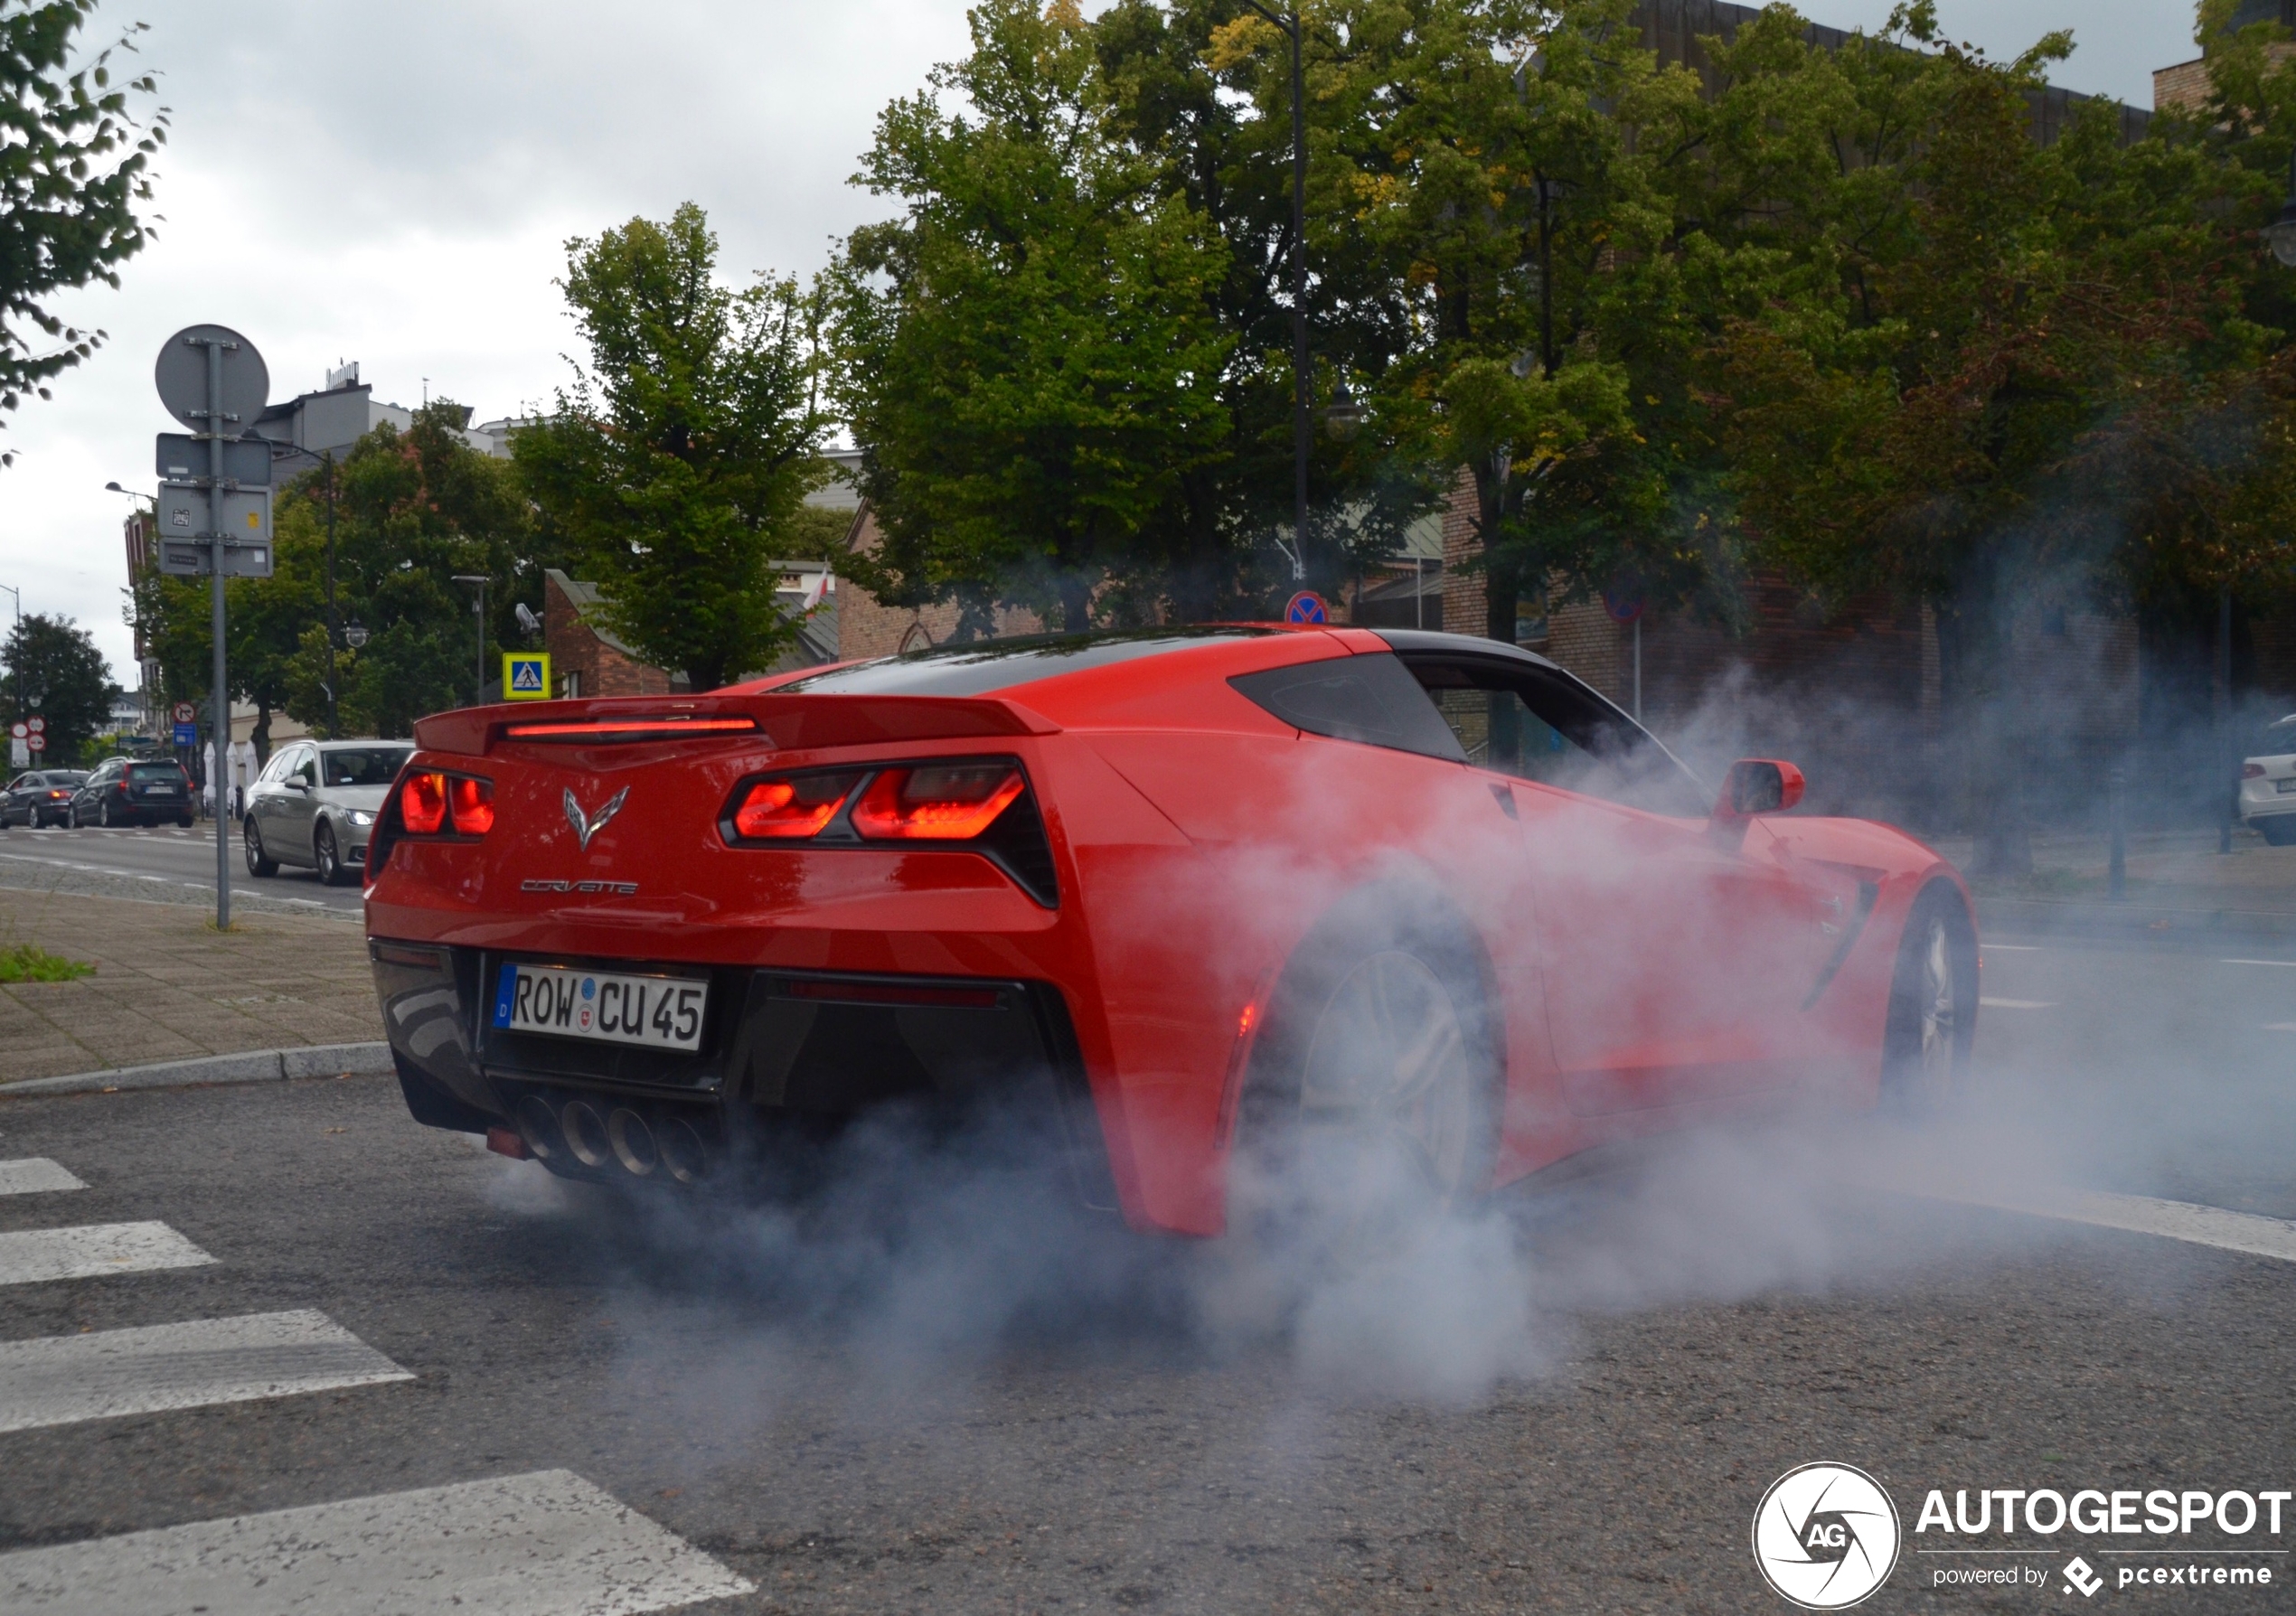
(793, 808)
(936, 804)
(473, 802)
(2251, 771)
(422, 803)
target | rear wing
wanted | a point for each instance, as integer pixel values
(798, 722)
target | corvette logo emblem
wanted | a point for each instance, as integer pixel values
(586, 828)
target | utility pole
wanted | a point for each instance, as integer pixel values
(478, 609)
(1303, 431)
(334, 672)
(15, 685)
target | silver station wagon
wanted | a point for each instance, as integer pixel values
(315, 803)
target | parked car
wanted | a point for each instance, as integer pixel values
(41, 797)
(314, 803)
(134, 791)
(2268, 784)
(1180, 895)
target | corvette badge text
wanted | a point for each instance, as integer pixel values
(1827, 1535)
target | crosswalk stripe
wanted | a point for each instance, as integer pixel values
(55, 1380)
(30, 1256)
(534, 1545)
(34, 1174)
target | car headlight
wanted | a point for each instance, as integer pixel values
(360, 816)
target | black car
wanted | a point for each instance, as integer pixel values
(131, 791)
(41, 797)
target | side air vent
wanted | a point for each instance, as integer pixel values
(1017, 844)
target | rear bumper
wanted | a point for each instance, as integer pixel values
(779, 1048)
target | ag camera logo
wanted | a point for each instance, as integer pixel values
(1825, 1536)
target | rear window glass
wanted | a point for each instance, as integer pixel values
(2275, 741)
(154, 770)
(67, 778)
(368, 766)
(1371, 699)
(999, 664)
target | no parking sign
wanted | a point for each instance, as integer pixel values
(1306, 606)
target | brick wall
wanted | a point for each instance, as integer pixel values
(867, 627)
(577, 650)
(2183, 85)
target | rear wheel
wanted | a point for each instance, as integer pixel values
(258, 863)
(1932, 1008)
(2279, 831)
(103, 812)
(1373, 1094)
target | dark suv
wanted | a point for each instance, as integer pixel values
(129, 791)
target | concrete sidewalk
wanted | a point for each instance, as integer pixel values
(168, 987)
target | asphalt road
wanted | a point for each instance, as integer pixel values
(163, 853)
(941, 1390)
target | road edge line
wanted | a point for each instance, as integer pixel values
(249, 1065)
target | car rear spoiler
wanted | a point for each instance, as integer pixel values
(786, 723)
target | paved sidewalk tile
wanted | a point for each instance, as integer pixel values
(168, 987)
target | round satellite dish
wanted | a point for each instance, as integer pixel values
(181, 377)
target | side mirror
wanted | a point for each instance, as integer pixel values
(297, 782)
(1756, 785)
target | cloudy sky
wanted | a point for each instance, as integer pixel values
(394, 184)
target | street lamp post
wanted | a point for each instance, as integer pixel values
(478, 607)
(16, 684)
(327, 460)
(1301, 431)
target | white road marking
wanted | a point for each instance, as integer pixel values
(57, 1380)
(2012, 948)
(2288, 964)
(2141, 1215)
(537, 1545)
(34, 1174)
(30, 1256)
(2018, 1003)
(2280, 1027)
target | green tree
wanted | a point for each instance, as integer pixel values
(1027, 355)
(675, 467)
(73, 167)
(413, 509)
(53, 668)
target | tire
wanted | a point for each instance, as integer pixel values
(322, 853)
(1932, 1008)
(2279, 830)
(185, 823)
(1373, 1098)
(103, 812)
(258, 863)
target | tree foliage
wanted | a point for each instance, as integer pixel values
(52, 666)
(674, 467)
(74, 165)
(412, 510)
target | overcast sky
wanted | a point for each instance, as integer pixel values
(394, 184)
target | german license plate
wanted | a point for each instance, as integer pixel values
(2285, 785)
(660, 1012)
(159, 791)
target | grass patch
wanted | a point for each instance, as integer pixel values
(28, 962)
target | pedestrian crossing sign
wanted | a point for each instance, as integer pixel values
(526, 675)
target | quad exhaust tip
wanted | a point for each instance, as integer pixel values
(639, 1146)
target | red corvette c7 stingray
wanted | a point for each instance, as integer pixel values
(1170, 891)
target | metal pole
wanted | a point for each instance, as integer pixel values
(1638, 669)
(2225, 788)
(1301, 432)
(1419, 589)
(219, 775)
(334, 673)
(2120, 803)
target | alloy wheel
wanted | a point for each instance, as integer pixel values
(1390, 1063)
(1939, 1018)
(330, 869)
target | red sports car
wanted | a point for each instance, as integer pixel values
(1176, 892)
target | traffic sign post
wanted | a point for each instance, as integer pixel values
(36, 744)
(211, 379)
(184, 713)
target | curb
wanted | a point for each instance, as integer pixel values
(2049, 914)
(254, 1065)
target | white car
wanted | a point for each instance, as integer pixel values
(2268, 784)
